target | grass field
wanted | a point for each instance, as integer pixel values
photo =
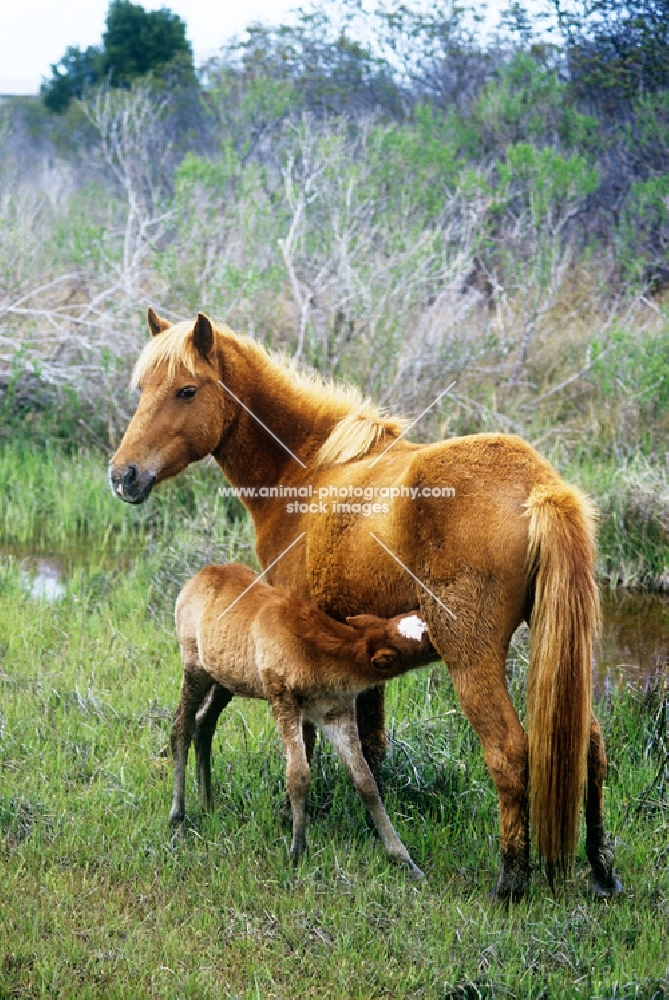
(101, 899)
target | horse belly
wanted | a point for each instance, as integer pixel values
(355, 569)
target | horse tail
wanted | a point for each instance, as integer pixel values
(563, 622)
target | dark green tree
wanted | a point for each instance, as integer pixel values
(136, 42)
(71, 75)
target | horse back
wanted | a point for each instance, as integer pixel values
(352, 563)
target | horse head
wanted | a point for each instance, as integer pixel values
(183, 412)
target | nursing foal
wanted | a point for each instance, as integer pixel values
(242, 637)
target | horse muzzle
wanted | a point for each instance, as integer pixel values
(131, 485)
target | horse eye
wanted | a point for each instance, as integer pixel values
(187, 392)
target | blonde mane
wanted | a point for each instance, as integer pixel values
(359, 427)
(173, 347)
(355, 435)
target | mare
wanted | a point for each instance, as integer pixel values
(479, 533)
(241, 637)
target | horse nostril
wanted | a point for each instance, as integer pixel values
(130, 476)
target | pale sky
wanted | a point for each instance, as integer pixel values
(35, 33)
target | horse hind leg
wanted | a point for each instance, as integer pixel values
(205, 726)
(605, 882)
(475, 653)
(486, 703)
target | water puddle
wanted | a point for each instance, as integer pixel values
(45, 578)
(635, 638)
(43, 575)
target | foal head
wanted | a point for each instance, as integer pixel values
(183, 412)
(395, 643)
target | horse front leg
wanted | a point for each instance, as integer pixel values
(196, 684)
(605, 882)
(205, 725)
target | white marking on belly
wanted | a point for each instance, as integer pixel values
(412, 628)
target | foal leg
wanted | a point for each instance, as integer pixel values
(343, 732)
(205, 725)
(605, 882)
(309, 739)
(196, 684)
(288, 716)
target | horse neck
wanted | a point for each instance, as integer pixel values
(249, 455)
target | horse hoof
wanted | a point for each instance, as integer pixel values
(607, 889)
(503, 893)
(514, 878)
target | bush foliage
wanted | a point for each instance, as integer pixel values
(440, 205)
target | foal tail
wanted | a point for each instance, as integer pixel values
(565, 616)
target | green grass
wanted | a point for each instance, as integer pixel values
(101, 899)
(57, 502)
(633, 531)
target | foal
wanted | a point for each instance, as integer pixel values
(268, 644)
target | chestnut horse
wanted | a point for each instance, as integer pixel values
(479, 533)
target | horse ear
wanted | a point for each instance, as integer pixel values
(203, 335)
(362, 622)
(156, 324)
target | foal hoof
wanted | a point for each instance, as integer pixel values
(606, 888)
(297, 849)
(415, 872)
